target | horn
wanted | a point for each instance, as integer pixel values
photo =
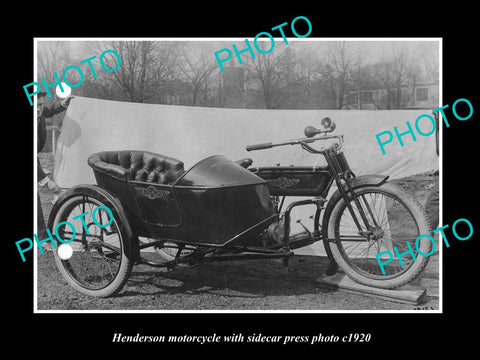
(310, 131)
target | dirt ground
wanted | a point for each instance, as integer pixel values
(237, 285)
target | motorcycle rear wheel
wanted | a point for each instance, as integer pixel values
(399, 219)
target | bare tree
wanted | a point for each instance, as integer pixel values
(383, 79)
(146, 69)
(307, 62)
(341, 63)
(427, 59)
(274, 76)
(52, 56)
(399, 72)
(399, 77)
(360, 78)
(196, 69)
(327, 82)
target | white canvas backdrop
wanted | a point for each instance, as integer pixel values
(193, 133)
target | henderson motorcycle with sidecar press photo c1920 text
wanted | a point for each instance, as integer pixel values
(223, 210)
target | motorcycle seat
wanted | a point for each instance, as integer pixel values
(136, 165)
(244, 162)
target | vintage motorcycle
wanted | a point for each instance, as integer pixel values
(220, 210)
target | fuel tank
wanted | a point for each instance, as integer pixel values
(295, 180)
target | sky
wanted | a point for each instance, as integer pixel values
(374, 50)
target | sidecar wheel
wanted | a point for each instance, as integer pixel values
(400, 218)
(99, 265)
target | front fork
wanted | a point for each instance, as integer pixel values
(341, 172)
(342, 175)
(372, 230)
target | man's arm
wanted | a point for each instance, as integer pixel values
(55, 108)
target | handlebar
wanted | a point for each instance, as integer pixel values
(259, 146)
(302, 142)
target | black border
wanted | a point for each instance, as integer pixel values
(398, 332)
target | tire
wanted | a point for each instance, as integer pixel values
(100, 264)
(400, 219)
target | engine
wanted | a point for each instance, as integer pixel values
(274, 234)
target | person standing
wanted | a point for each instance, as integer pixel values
(432, 205)
(43, 179)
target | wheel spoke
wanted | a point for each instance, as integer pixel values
(97, 258)
(394, 226)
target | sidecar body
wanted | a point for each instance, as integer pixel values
(214, 203)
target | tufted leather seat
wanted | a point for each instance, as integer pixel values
(137, 165)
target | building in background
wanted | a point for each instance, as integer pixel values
(419, 96)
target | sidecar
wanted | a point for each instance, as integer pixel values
(214, 203)
(144, 203)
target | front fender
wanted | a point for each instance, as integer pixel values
(356, 182)
(367, 180)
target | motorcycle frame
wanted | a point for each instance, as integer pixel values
(341, 173)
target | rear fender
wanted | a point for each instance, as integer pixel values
(131, 246)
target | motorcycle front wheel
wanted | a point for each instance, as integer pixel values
(389, 255)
